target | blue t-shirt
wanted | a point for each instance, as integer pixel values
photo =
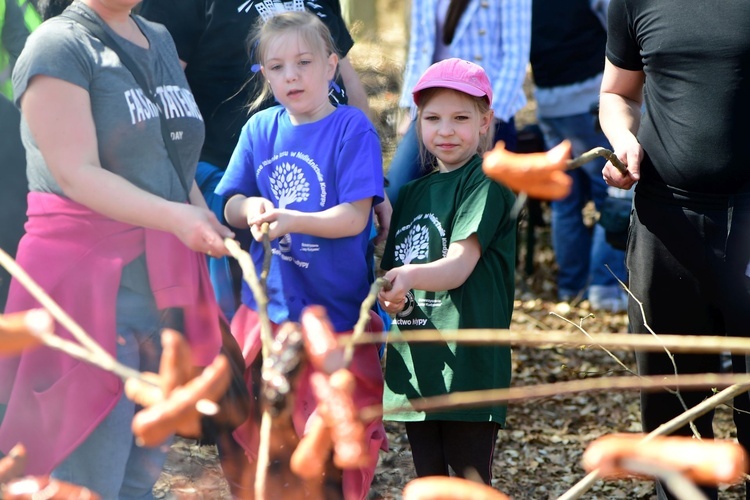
(310, 167)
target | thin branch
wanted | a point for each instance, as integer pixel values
(264, 452)
(531, 319)
(666, 349)
(517, 394)
(562, 338)
(250, 276)
(81, 353)
(53, 308)
(258, 288)
(267, 254)
(88, 350)
(364, 317)
(593, 154)
(583, 331)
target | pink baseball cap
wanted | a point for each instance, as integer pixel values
(456, 74)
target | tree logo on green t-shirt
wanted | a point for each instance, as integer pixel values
(415, 246)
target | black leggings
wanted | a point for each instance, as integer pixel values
(467, 447)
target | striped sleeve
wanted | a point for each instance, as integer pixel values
(516, 43)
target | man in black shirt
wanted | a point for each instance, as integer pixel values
(689, 246)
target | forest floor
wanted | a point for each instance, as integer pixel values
(539, 452)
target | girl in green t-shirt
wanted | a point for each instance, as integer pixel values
(450, 256)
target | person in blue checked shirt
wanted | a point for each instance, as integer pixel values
(491, 33)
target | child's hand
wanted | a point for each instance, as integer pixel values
(394, 300)
(280, 222)
(254, 208)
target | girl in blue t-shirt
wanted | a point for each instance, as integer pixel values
(313, 171)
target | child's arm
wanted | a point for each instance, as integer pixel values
(443, 274)
(346, 219)
(240, 209)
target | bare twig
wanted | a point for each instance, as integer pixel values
(250, 275)
(267, 254)
(81, 353)
(52, 307)
(364, 316)
(88, 350)
(666, 350)
(583, 331)
(594, 153)
(562, 338)
(516, 394)
(258, 288)
(531, 319)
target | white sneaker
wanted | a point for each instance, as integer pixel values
(608, 298)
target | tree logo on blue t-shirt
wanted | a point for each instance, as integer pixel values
(289, 185)
(415, 246)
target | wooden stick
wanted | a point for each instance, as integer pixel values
(364, 317)
(267, 254)
(77, 352)
(53, 308)
(250, 275)
(593, 154)
(666, 428)
(89, 351)
(518, 394)
(258, 288)
(558, 338)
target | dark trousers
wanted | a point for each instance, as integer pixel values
(467, 447)
(688, 263)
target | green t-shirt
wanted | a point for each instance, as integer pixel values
(430, 214)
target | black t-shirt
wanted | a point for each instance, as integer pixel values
(567, 42)
(211, 37)
(696, 58)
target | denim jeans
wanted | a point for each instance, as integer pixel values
(581, 252)
(406, 165)
(108, 461)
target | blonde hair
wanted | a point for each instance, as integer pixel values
(480, 103)
(308, 26)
